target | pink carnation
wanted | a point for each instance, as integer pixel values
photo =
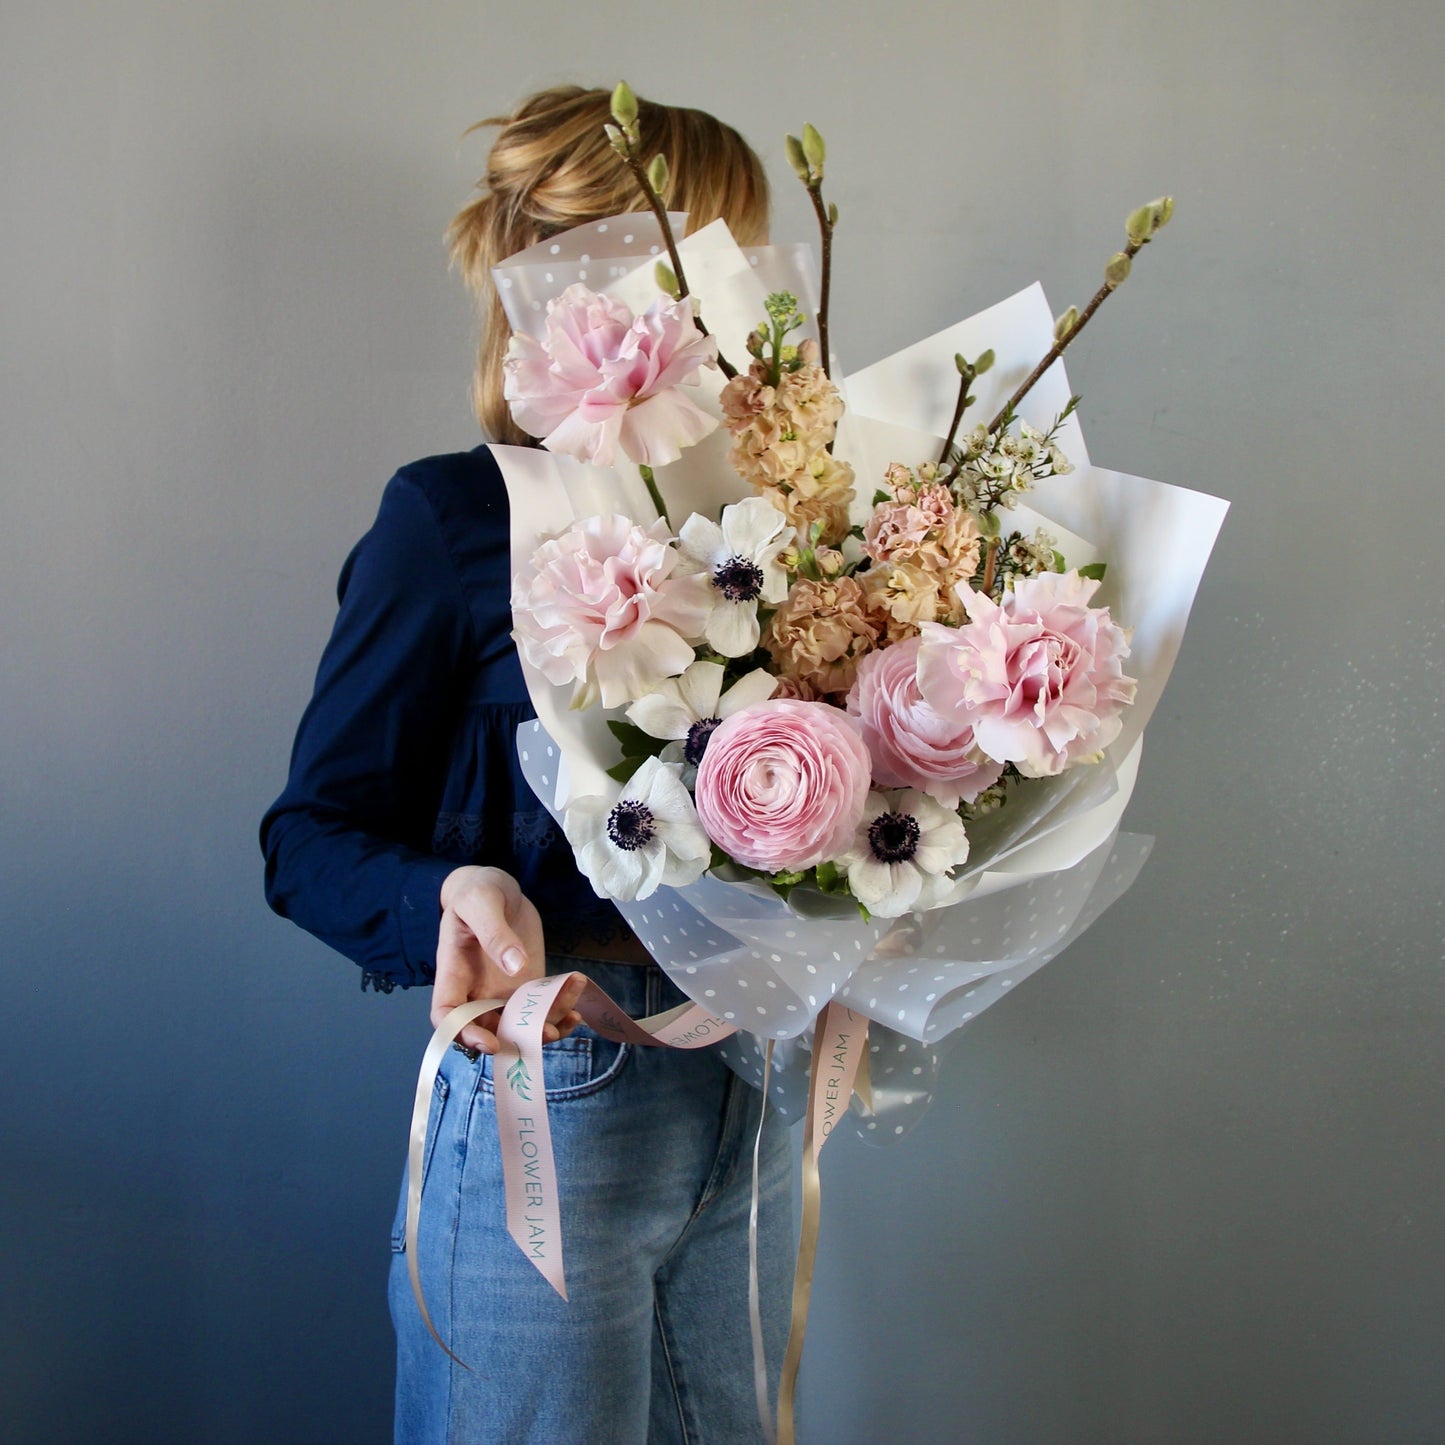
(783, 784)
(1039, 676)
(605, 381)
(600, 609)
(912, 744)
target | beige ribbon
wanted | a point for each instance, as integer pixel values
(840, 1042)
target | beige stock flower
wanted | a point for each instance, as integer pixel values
(820, 632)
(900, 596)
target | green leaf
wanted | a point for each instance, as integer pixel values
(520, 1079)
(1058, 561)
(623, 771)
(1094, 570)
(731, 871)
(881, 496)
(634, 741)
(831, 880)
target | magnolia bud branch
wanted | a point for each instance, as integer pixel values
(968, 373)
(806, 156)
(625, 139)
(1141, 228)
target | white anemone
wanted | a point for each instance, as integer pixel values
(687, 709)
(741, 557)
(903, 852)
(646, 836)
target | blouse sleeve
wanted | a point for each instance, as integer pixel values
(347, 843)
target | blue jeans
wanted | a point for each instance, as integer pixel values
(654, 1161)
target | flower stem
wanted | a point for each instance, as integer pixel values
(965, 380)
(652, 492)
(1010, 408)
(990, 559)
(654, 202)
(825, 227)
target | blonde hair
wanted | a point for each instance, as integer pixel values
(551, 168)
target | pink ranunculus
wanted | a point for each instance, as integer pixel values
(599, 608)
(1039, 676)
(783, 784)
(605, 381)
(911, 743)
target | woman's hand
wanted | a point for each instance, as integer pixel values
(489, 944)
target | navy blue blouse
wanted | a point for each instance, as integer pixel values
(405, 762)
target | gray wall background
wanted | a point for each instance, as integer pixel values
(1185, 1186)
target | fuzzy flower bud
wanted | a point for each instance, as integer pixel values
(814, 151)
(624, 106)
(799, 162)
(1140, 224)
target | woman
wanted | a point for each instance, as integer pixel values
(407, 838)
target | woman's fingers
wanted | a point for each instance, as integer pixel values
(489, 943)
(485, 911)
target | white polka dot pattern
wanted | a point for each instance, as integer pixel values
(751, 958)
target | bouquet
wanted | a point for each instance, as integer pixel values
(840, 682)
(831, 675)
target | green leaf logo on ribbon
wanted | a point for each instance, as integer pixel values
(519, 1078)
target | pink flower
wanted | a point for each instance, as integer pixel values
(911, 743)
(895, 531)
(600, 609)
(605, 381)
(783, 784)
(1038, 675)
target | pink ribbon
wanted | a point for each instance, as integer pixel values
(529, 1171)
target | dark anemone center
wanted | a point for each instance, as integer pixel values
(739, 580)
(631, 825)
(893, 837)
(697, 739)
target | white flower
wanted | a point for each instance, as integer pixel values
(902, 853)
(647, 836)
(687, 709)
(741, 556)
